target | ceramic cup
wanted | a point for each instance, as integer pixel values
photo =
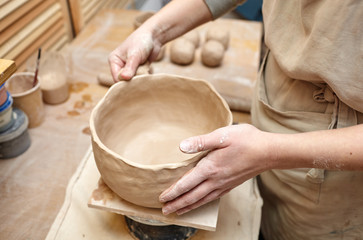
(27, 97)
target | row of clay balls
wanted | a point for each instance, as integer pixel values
(182, 50)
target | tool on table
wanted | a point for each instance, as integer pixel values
(37, 67)
(14, 137)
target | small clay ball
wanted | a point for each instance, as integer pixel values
(192, 36)
(220, 35)
(212, 53)
(182, 51)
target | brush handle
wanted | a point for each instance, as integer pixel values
(37, 68)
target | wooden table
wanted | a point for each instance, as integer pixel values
(32, 186)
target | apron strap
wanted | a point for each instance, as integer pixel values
(342, 116)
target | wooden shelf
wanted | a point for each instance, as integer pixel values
(27, 25)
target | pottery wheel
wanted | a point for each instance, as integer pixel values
(144, 231)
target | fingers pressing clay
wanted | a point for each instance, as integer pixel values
(106, 79)
(142, 69)
(182, 51)
(212, 53)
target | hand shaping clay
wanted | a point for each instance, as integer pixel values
(105, 79)
(192, 36)
(182, 51)
(212, 53)
(137, 128)
(219, 35)
(141, 70)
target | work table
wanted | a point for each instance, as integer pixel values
(32, 185)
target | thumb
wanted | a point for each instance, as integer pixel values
(213, 140)
(129, 70)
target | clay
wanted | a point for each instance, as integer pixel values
(212, 53)
(141, 70)
(192, 36)
(105, 79)
(161, 54)
(138, 125)
(219, 35)
(140, 19)
(182, 51)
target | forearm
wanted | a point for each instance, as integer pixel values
(177, 18)
(338, 149)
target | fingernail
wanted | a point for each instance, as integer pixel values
(186, 147)
(162, 199)
(124, 74)
(165, 211)
(119, 75)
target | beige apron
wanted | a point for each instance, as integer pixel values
(305, 203)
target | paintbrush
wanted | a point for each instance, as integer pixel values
(37, 68)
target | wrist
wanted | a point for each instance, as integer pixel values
(285, 153)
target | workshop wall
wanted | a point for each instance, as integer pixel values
(82, 11)
(26, 25)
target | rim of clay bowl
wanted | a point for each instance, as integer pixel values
(183, 163)
(33, 89)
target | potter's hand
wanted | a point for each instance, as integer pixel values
(145, 43)
(237, 154)
(134, 51)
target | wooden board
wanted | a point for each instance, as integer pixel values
(204, 217)
(236, 77)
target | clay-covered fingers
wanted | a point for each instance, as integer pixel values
(129, 70)
(134, 51)
(116, 64)
(218, 193)
(216, 139)
(189, 181)
(198, 196)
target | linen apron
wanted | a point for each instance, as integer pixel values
(305, 203)
(311, 80)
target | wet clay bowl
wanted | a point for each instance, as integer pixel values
(137, 128)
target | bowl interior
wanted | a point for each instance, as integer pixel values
(145, 120)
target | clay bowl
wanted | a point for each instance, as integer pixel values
(137, 127)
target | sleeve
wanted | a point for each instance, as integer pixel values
(218, 7)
